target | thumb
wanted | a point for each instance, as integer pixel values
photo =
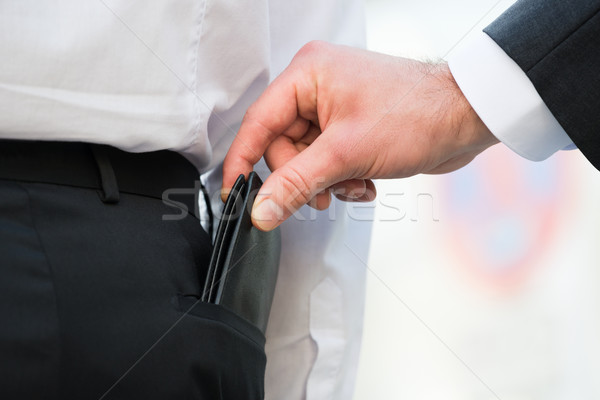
(295, 183)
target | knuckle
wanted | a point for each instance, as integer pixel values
(296, 186)
(251, 114)
(338, 156)
(253, 120)
(312, 48)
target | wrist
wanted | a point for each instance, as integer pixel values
(471, 133)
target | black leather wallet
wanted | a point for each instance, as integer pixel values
(243, 268)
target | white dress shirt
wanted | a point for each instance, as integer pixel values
(179, 75)
(506, 100)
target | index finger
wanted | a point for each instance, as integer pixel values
(274, 111)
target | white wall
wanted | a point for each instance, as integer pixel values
(490, 289)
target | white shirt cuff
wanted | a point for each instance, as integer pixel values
(506, 100)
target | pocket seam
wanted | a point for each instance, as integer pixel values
(51, 273)
(210, 312)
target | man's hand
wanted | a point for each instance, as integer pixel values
(338, 117)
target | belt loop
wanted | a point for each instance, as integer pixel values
(108, 179)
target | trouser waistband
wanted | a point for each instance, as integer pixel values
(164, 174)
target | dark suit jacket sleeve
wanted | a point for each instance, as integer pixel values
(557, 44)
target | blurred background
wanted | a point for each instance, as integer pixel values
(484, 283)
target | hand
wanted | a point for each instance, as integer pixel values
(338, 117)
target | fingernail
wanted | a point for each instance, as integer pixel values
(225, 194)
(266, 215)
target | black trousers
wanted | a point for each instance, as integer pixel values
(98, 292)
